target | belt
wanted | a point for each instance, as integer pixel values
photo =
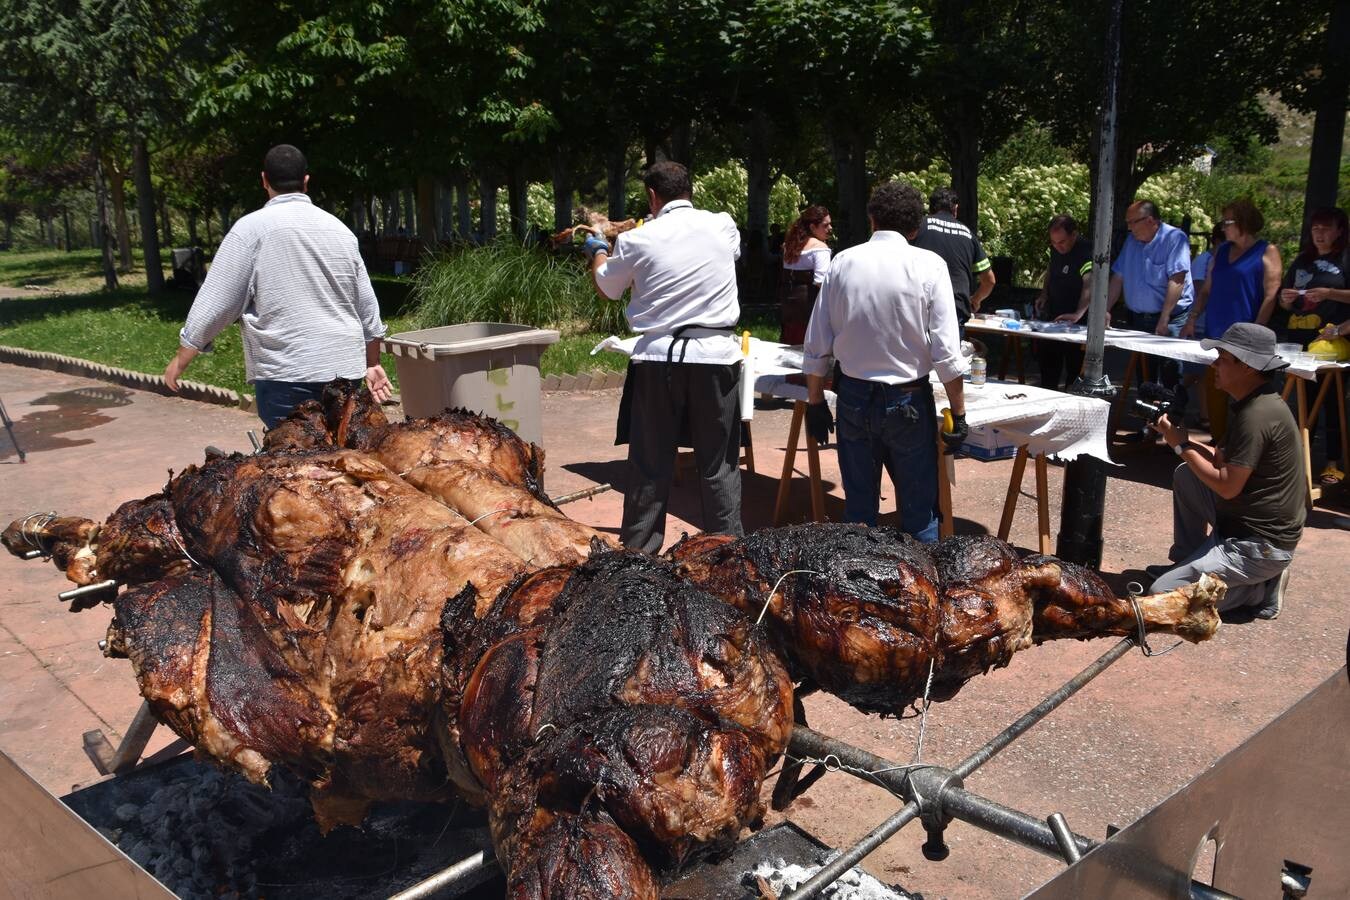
(916, 385)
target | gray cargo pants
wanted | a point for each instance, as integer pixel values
(1249, 566)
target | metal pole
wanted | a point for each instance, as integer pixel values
(1067, 846)
(9, 426)
(1084, 498)
(470, 867)
(806, 742)
(581, 495)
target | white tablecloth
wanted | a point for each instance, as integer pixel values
(1061, 425)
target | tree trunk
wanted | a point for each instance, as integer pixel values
(682, 144)
(1324, 156)
(616, 177)
(165, 223)
(517, 198)
(65, 217)
(463, 214)
(560, 168)
(445, 211)
(101, 195)
(224, 211)
(849, 146)
(760, 277)
(192, 228)
(410, 211)
(145, 208)
(963, 157)
(426, 210)
(117, 188)
(487, 207)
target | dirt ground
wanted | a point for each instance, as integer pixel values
(1132, 737)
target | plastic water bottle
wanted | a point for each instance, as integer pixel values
(978, 368)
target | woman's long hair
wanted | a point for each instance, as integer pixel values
(1326, 215)
(800, 231)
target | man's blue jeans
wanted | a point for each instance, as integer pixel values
(276, 399)
(883, 425)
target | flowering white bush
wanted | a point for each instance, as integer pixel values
(726, 189)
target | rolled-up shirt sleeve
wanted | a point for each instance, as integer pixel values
(615, 274)
(818, 350)
(1178, 254)
(367, 305)
(944, 340)
(223, 295)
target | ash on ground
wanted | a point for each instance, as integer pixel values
(207, 833)
(854, 884)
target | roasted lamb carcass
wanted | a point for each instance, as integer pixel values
(324, 575)
(471, 463)
(613, 694)
(593, 223)
(865, 612)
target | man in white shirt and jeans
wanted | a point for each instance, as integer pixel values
(886, 314)
(684, 377)
(292, 276)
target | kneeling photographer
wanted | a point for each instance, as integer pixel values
(1238, 508)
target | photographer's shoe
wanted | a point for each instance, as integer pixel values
(1274, 598)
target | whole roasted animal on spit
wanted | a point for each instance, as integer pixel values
(397, 611)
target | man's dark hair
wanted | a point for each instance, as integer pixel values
(669, 180)
(1065, 223)
(1150, 209)
(284, 167)
(943, 200)
(896, 206)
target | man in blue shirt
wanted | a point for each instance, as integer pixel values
(1153, 273)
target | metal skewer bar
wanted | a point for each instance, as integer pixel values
(466, 873)
(96, 587)
(808, 743)
(581, 495)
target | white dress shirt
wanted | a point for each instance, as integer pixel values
(681, 266)
(886, 312)
(292, 275)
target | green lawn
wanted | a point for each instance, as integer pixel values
(130, 330)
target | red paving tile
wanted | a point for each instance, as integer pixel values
(1133, 736)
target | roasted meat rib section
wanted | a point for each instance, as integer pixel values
(614, 694)
(865, 612)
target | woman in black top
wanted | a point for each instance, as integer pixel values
(1316, 292)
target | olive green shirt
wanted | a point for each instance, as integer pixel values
(1262, 436)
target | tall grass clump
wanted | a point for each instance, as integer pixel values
(506, 281)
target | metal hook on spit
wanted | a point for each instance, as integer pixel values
(1134, 589)
(28, 530)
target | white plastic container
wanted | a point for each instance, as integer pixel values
(488, 367)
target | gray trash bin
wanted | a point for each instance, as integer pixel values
(488, 367)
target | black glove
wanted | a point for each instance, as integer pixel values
(957, 436)
(819, 422)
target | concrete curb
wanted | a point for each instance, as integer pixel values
(70, 365)
(597, 380)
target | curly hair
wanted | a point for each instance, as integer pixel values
(800, 230)
(896, 206)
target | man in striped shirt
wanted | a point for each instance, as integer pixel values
(292, 276)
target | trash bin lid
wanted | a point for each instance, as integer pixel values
(468, 337)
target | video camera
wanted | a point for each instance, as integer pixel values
(1155, 401)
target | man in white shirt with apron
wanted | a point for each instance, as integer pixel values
(685, 372)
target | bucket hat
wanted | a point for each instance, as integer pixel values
(1251, 343)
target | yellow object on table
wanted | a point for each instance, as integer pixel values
(1334, 349)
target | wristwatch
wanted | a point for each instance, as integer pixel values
(1179, 449)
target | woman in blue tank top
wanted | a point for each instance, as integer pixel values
(1242, 285)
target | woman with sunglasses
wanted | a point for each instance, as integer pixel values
(806, 256)
(1242, 285)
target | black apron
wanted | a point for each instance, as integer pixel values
(624, 423)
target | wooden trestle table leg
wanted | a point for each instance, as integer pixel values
(1301, 392)
(1014, 491)
(789, 458)
(1043, 501)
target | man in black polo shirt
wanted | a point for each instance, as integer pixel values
(960, 250)
(1249, 493)
(1064, 297)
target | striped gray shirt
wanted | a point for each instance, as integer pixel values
(292, 276)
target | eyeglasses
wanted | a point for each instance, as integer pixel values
(1226, 222)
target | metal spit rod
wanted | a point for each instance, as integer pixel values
(75, 593)
(582, 494)
(469, 867)
(846, 860)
